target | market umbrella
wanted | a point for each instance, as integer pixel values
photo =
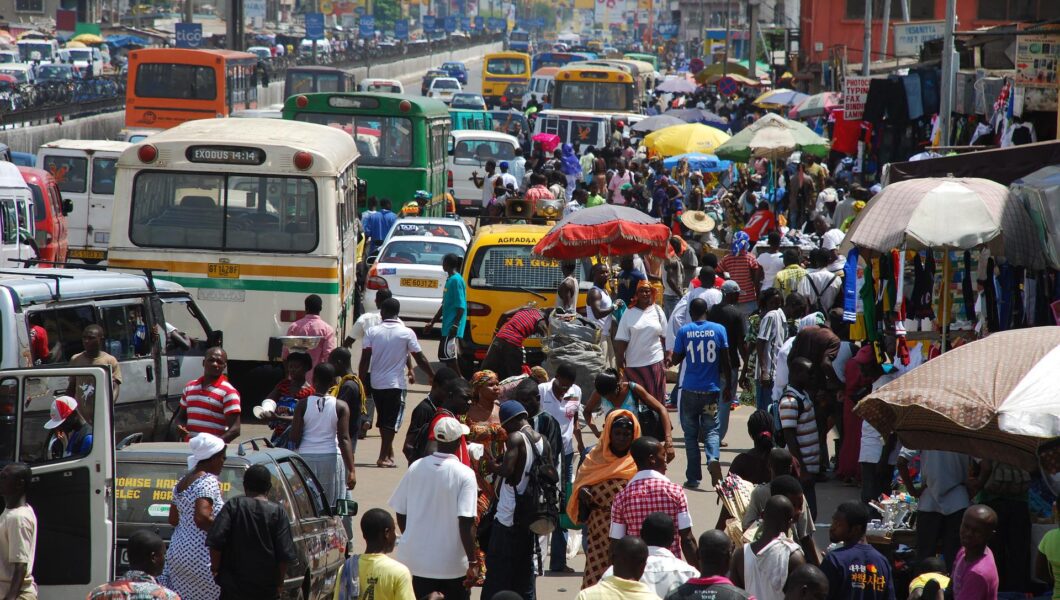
(604, 230)
(699, 115)
(682, 139)
(548, 141)
(76, 45)
(948, 213)
(742, 146)
(994, 398)
(655, 123)
(817, 105)
(779, 98)
(706, 163)
(88, 38)
(677, 85)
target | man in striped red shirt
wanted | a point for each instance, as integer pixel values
(505, 354)
(210, 404)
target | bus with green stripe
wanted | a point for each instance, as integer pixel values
(251, 216)
(402, 140)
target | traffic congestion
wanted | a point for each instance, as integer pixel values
(539, 311)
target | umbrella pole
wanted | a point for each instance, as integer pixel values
(944, 299)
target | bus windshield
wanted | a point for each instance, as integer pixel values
(217, 211)
(381, 141)
(26, 50)
(306, 83)
(519, 36)
(506, 66)
(593, 95)
(171, 80)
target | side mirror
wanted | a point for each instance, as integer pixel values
(215, 338)
(345, 508)
(68, 206)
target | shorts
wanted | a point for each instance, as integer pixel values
(447, 348)
(389, 408)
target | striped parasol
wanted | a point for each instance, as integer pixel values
(605, 230)
(994, 398)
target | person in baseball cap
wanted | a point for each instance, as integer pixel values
(448, 430)
(73, 435)
(730, 287)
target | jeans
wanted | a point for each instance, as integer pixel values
(451, 588)
(699, 412)
(1009, 544)
(763, 394)
(510, 562)
(557, 551)
(669, 303)
(935, 529)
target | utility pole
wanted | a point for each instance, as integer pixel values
(949, 72)
(728, 29)
(752, 52)
(188, 11)
(866, 52)
(886, 26)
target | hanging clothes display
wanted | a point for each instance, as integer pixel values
(923, 285)
(967, 288)
(929, 89)
(876, 101)
(913, 99)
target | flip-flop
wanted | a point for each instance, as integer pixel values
(385, 464)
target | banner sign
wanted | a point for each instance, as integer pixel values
(855, 91)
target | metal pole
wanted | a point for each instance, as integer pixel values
(728, 29)
(188, 11)
(866, 48)
(885, 33)
(905, 10)
(949, 69)
(752, 52)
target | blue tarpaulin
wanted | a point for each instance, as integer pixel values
(124, 41)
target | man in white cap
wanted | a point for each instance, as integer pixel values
(436, 503)
(72, 434)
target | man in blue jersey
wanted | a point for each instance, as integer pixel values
(703, 347)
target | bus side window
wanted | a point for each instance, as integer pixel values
(64, 327)
(8, 426)
(125, 331)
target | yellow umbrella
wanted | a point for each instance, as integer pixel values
(683, 139)
(76, 45)
(88, 38)
(780, 97)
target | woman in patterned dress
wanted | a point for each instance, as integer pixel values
(196, 501)
(485, 429)
(604, 473)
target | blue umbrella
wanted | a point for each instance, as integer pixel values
(706, 163)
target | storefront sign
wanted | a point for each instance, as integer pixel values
(1037, 58)
(909, 38)
(855, 91)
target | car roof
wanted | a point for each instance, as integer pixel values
(177, 452)
(446, 79)
(494, 234)
(94, 145)
(427, 238)
(37, 285)
(11, 178)
(481, 134)
(432, 221)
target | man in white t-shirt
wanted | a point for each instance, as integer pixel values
(831, 240)
(360, 329)
(386, 350)
(436, 502)
(772, 260)
(562, 399)
(820, 286)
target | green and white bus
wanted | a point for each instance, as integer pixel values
(402, 141)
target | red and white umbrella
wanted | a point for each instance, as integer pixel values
(605, 230)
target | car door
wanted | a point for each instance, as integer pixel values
(71, 495)
(323, 552)
(186, 342)
(127, 329)
(101, 198)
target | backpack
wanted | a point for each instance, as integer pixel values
(817, 294)
(538, 506)
(778, 430)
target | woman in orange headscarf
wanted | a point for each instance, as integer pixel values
(604, 473)
(484, 428)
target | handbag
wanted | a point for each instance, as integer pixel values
(564, 520)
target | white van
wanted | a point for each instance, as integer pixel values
(588, 129)
(468, 152)
(85, 171)
(88, 60)
(541, 84)
(18, 224)
(374, 84)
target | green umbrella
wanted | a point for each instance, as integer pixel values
(772, 136)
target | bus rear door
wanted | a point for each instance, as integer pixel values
(71, 490)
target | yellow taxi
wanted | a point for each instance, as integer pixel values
(502, 273)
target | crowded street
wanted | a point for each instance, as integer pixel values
(530, 300)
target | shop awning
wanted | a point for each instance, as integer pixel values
(1003, 165)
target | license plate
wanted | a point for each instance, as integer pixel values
(418, 283)
(223, 271)
(89, 254)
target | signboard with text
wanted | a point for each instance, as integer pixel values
(314, 26)
(429, 22)
(189, 35)
(450, 24)
(1037, 58)
(909, 38)
(367, 26)
(401, 29)
(254, 10)
(855, 91)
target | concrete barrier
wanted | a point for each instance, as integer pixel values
(109, 125)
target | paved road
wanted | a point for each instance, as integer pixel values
(412, 81)
(375, 485)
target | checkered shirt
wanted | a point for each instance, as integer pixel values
(646, 493)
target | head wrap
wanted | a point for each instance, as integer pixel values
(644, 283)
(601, 464)
(482, 378)
(741, 242)
(203, 447)
(539, 373)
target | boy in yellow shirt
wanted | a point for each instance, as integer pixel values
(379, 575)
